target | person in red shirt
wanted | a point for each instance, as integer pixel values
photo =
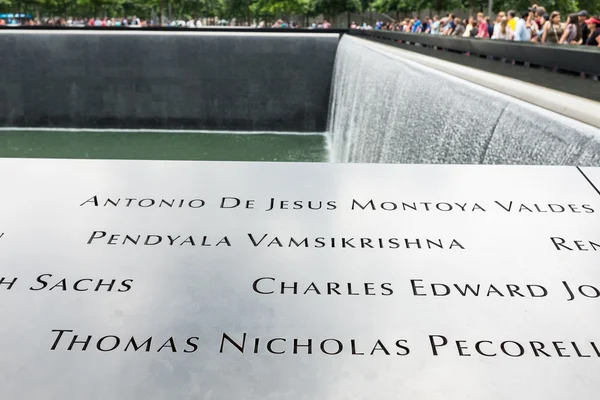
(483, 27)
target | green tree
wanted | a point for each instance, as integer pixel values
(238, 9)
(391, 6)
(409, 6)
(564, 6)
(273, 9)
(591, 6)
(331, 8)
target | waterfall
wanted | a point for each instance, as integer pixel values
(386, 109)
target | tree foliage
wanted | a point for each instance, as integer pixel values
(331, 8)
(255, 10)
(273, 9)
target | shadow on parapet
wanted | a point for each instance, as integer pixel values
(563, 82)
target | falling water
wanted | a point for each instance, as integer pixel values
(390, 110)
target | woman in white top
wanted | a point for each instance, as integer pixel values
(502, 30)
(469, 27)
(499, 17)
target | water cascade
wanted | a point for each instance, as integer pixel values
(387, 109)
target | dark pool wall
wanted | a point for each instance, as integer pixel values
(217, 81)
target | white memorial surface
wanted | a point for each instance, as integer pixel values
(230, 280)
(593, 176)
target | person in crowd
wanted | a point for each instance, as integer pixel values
(512, 20)
(542, 22)
(475, 30)
(190, 23)
(326, 24)
(572, 33)
(533, 26)
(417, 26)
(198, 23)
(450, 25)
(435, 25)
(2, 22)
(522, 31)
(353, 25)
(469, 27)
(536, 12)
(459, 28)
(593, 25)
(502, 30)
(585, 31)
(482, 29)
(539, 16)
(553, 29)
(490, 26)
(426, 25)
(446, 26)
(499, 17)
(443, 25)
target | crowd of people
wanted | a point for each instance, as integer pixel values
(533, 25)
(294, 25)
(135, 22)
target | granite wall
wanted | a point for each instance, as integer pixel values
(169, 80)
